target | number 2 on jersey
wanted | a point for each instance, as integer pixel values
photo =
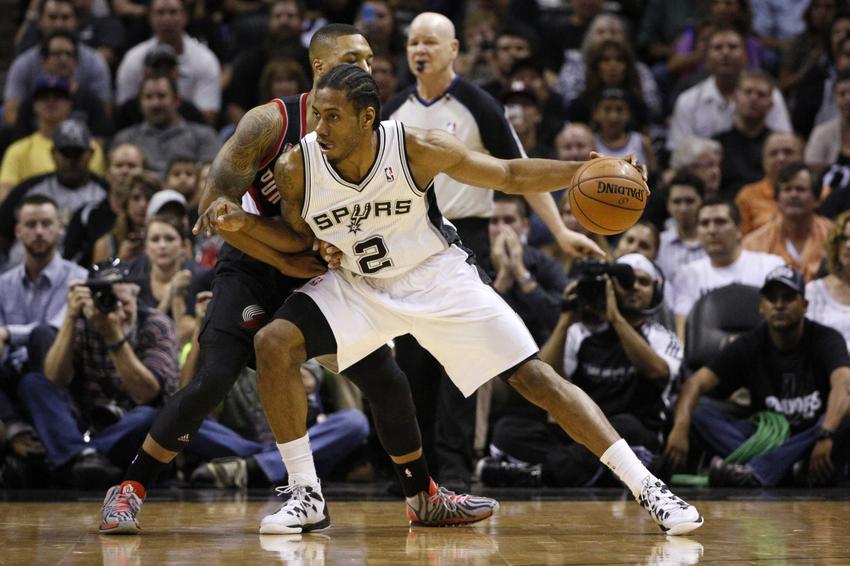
(373, 255)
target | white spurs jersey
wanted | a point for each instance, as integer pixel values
(384, 225)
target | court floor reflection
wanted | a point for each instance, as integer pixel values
(376, 532)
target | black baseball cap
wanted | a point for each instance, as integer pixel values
(49, 84)
(161, 54)
(72, 134)
(787, 276)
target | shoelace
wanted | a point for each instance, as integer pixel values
(298, 490)
(445, 495)
(662, 499)
(123, 503)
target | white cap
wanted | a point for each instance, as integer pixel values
(161, 198)
(640, 261)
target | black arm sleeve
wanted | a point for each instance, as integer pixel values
(497, 134)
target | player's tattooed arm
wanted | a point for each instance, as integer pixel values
(289, 177)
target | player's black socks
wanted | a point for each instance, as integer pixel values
(144, 469)
(413, 476)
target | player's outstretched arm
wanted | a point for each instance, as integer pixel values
(435, 151)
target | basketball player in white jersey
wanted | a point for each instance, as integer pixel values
(366, 188)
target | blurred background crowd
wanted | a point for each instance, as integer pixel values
(112, 112)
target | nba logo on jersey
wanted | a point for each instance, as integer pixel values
(388, 171)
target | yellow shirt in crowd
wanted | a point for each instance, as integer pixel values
(31, 156)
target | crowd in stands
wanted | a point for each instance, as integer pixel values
(728, 301)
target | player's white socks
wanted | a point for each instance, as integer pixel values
(298, 459)
(623, 462)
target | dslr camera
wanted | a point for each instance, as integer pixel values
(590, 291)
(101, 278)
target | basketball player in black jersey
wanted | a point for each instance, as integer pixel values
(403, 272)
(246, 294)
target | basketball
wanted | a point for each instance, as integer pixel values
(608, 195)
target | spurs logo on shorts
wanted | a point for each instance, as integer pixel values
(253, 317)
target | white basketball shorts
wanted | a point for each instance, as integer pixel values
(442, 302)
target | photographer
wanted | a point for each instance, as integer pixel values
(604, 343)
(110, 364)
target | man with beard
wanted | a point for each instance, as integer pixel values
(32, 305)
(792, 366)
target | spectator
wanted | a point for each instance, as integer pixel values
(777, 21)
(159, 61)
(115, 361)
(829, 297)
(743, 143)
(71, 186)
(280, 78)
(126, 240)
(642, 238)
(182, 176)
(796, 234)
(571, 77)
(807, 49)
(377, 22)
(94, 220)
(164, 134)
(59, 60)
(529, 281)
(91, 71)
(757, 201)
(475, 60)
(101, 32)
(523, 112)
(611, 64)
(792, 366)
(701, 157)
(625, 365)
(385, 74)
(690, 50)
(199, 69)
(32, 306)
(168, 280)
(35, 154)
(662, 24)
(708, 107)
(528, 74)
(680, 244)
(568, 37)
(283, 41)
(719, 232)
(813, 99)
(612, 117)
(826, 145)
(514, 41)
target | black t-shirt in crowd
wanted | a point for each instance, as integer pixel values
(794, 383)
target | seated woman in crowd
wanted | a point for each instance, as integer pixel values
(126, 239)
(829, 297)
(169, 280)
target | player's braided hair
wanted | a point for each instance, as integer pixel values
(359, 86)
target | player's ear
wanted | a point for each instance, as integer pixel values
(367, 118)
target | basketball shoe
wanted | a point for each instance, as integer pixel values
(120, 507)
(439, 507)
(303, 510)
(673, 515)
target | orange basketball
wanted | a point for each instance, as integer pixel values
(608, 195)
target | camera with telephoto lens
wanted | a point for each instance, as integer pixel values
(590, 290)
(101, 278)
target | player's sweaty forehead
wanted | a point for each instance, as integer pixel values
(347, 49)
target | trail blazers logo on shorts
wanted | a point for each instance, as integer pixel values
(253, 317)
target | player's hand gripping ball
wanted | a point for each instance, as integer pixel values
(608, 195)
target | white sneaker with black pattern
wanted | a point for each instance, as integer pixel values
(303, 511)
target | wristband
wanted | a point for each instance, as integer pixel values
(823, 433)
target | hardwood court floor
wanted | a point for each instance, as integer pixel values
(745, 528)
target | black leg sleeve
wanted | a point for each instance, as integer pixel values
(385, 386)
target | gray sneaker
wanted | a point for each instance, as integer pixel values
(221, 473)
(120, 508)
(439, 507)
